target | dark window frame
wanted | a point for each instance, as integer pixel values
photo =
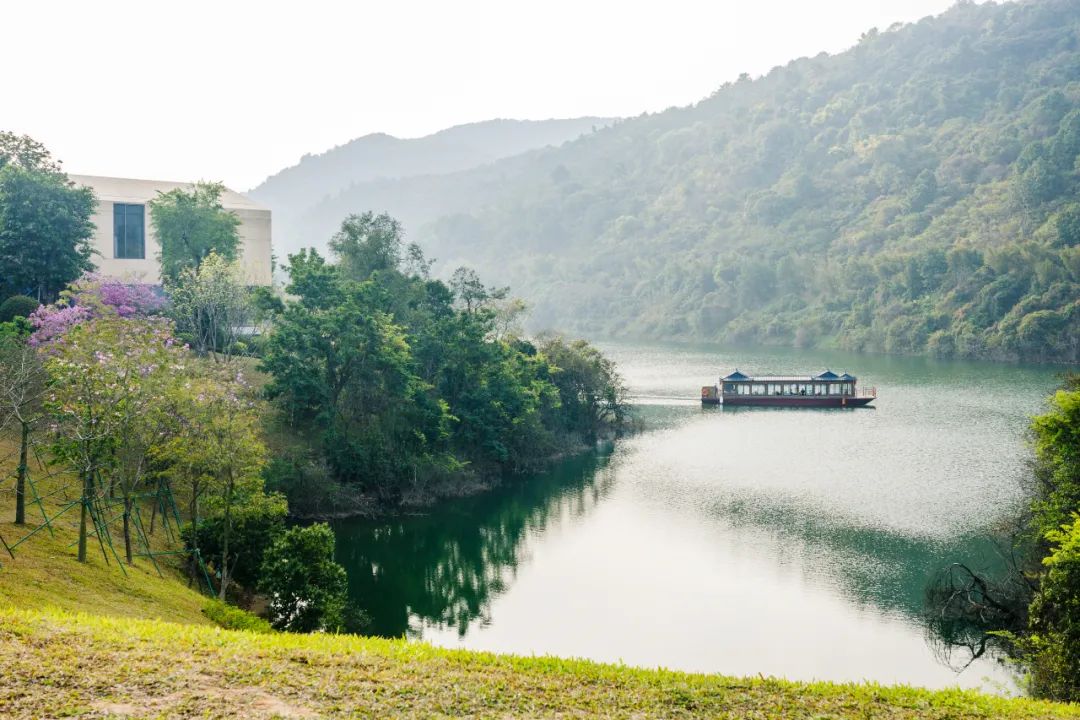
(129, 244)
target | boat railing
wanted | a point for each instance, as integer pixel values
(870, 392)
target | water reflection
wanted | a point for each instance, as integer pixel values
(795, 543)
(444, 569)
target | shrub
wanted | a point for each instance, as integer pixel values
(231, 617)
(306, 587)
(17, 306)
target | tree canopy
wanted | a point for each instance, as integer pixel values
(45, 225)
(191, 224)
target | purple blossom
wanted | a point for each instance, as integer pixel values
(90, 297)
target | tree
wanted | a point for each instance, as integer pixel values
(256, 521)
(215, 451)
(25, 152)
(592, 394)
(99, 393)
(22, 386)
(45, 231)
(211, 306)
(190, 224)
(367, 243)
(307, 589)
(1053, 646)
(341, 367)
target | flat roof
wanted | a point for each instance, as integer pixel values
(134, 190)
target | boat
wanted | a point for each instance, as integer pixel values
(826, 389)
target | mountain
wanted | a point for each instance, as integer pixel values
(379, 157)
(915, 194)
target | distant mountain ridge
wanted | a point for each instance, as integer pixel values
(291, 192)
(918, 193)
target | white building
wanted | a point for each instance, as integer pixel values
(125, 242)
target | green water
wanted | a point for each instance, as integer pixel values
(786, 542)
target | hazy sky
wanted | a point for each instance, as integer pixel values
(235, 91)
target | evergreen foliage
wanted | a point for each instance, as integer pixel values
(192, 224)
(397, 379)
(17, 306)
(915, 194)
(307, 589)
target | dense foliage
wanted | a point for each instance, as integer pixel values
(17, 306)
(397, 379)
(916, 193)
(1051, 645)
(45, 225)
(191, 224)
(306, 588)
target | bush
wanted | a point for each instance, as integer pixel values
(254, 527)
(17, 306)
(231, 617)
(1053, 647)
(306, 587)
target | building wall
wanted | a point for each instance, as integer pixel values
(254, 230)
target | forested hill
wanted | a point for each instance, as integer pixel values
(292, 192)
(917, 193)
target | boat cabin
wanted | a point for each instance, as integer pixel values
(824, 389)
(826, 383)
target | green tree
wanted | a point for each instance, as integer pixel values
(45, 231)
(368, 243)
(216, 453)
(22, 388)
(191, 224)
(25, 152)
(307, 589)
(1053, 647)
(342, 366)
(211, 306)
(98, 393)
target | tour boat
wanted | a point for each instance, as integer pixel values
(826, 389)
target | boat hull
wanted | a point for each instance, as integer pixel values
(814, 401)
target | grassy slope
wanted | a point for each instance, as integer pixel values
(44, 572)
(109, 666)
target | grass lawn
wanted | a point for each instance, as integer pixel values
(55, 664)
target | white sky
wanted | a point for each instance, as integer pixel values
(235, 91)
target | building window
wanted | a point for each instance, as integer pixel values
(129, 231)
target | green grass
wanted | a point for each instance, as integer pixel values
(44, 572)
(55, 664)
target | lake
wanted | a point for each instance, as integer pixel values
(789, 542)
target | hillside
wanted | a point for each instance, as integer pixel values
(915, 194)
(292, 192)
(115, 667)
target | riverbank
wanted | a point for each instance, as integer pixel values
(329, 500)
(57, 664)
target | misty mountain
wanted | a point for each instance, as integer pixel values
(379, 159)
(915, 194)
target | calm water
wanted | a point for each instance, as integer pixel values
(794, 543)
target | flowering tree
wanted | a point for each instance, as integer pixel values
(108, 377)
(91, 297)
(216, 450)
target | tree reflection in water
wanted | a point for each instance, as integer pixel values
(444, 568)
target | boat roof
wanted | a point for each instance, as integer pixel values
(827, 376)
